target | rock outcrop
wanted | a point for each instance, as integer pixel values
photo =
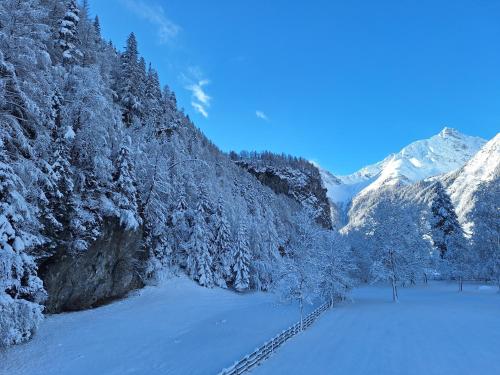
(107, 270)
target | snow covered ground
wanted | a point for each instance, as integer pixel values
(179, 328)
(433, 330)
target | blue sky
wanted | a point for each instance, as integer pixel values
(343, 83)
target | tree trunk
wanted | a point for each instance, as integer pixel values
(394, 290)
(301, 315)
(460, 284)
(425, 278)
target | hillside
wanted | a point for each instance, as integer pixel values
(107, 185)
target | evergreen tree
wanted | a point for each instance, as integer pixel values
(89, 37)
(444, 221)
(97, 27)
(68, 40)
(129, 85)
(222, 248)
(60, 205)
(125, 193)
(199, 260)
(153, 98)
(241, 266)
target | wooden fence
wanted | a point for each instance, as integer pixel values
(260, 354)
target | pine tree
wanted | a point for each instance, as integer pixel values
(241, 266)
(199, 261)
(60, 206)
(222, 248)
(152, 107)
(68, 40)
(130, 84)
(88, 36)
(444, 221)
(125, 192)
(97, 27)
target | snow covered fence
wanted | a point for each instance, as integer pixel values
(260, 354)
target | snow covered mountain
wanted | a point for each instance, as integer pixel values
(483, 170)
(442, 153)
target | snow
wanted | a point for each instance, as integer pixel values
(433, 330)
(176, 328)
(442, 153)
(484, 167)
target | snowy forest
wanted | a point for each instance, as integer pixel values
(107, 186)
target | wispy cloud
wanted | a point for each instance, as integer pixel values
(200, 109)
(196, 83)
(154, 14)
(261, 115)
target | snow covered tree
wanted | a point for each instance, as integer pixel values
(125, 193)
(130, 84)
(23, 33)
(336, 267)
(300, 277)
(21, 290)
(89, 35)
(199, 260)
(68, 40)
(486, 232)
(152, 101)
(444, 221)
(399, 250)
(97, 27)
(60, 206)
(241, 266)
(222, 247)
(460, 260)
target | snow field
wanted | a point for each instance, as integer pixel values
(432, 330)
(178, 328)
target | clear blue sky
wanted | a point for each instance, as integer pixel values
(343, 83)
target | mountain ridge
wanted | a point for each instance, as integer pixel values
(442, 153)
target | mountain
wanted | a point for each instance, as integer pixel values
(480, 172)
(294, 177)
(442, 153)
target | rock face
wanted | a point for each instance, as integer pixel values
(304, 186)
(107, 270)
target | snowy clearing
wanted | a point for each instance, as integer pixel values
(181, 328)
(433, 330)
(178, 328)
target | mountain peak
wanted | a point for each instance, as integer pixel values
(450, 132)
(441, 153)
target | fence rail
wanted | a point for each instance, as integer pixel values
(262, 353)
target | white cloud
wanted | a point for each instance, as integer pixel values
(261, 115)
(155, 14)
(200, 109)
(198, 93)
(196, 84)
